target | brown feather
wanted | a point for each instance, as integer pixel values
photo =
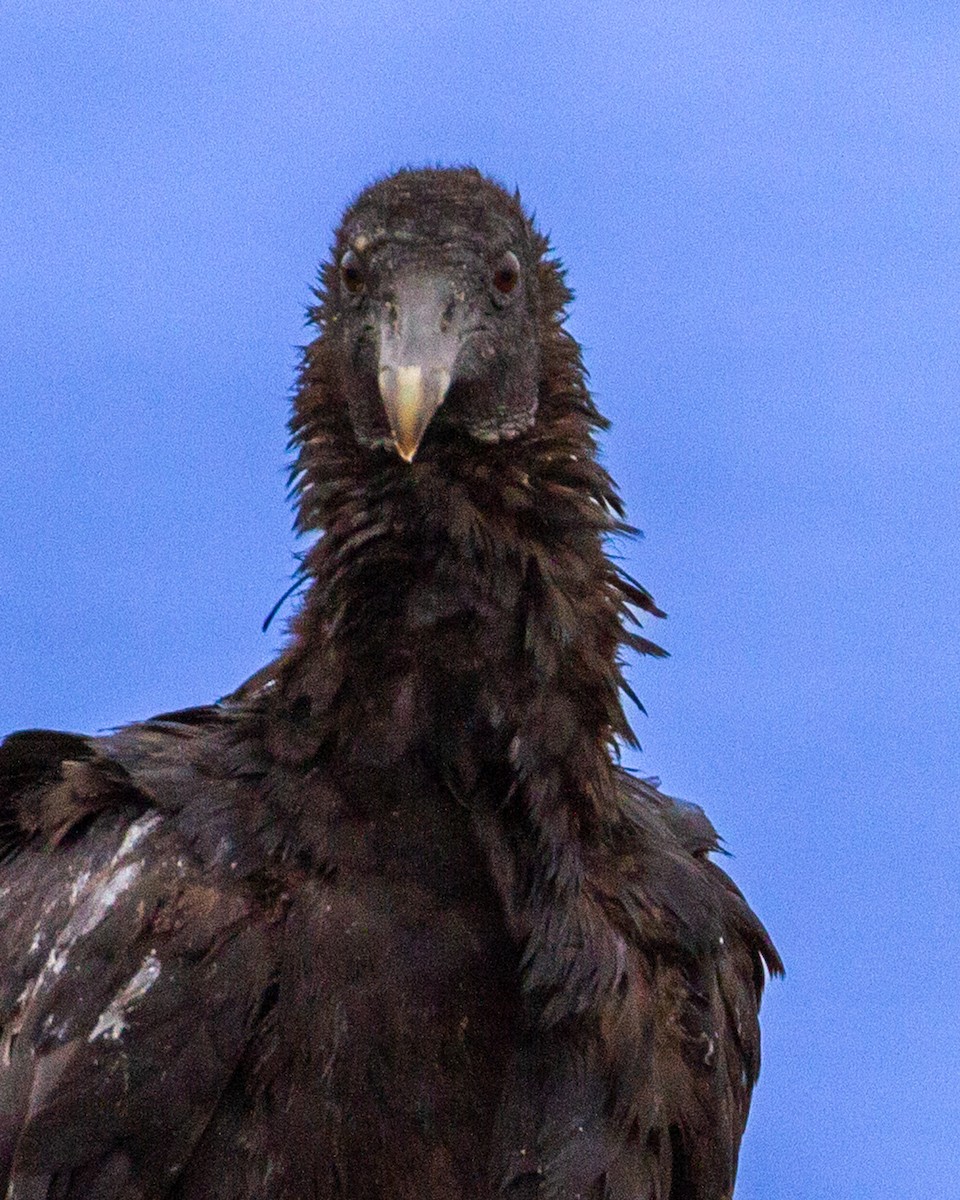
(390, 921)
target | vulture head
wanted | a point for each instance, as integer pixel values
(440, 348)
(431, 307)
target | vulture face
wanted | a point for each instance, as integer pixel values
(431, 305)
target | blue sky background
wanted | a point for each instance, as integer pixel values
(758, 205)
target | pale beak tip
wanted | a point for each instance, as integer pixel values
(411, 395)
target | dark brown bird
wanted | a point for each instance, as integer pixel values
(389, 922)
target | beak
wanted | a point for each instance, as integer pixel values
(420, 335)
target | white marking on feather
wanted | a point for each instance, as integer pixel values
(92, 903)
(135, 835)
(112, 1021)
(79, 884)
(87, 917)
(93, 910)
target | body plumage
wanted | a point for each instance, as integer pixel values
(390, 920)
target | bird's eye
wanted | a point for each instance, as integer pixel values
(351, 273)
(506, 276)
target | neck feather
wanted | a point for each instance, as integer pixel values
(463, 619)
(461, 607)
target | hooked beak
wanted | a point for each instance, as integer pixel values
(419, 340)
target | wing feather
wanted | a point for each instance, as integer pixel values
(132, 972)
(644, 1096)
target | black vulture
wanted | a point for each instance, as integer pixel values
(390, 921)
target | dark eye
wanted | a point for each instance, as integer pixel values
(351, 273)
(507, 273)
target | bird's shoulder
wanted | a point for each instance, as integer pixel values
(708, 956)
(651, 1069)
(135, 950)
(660, 865)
